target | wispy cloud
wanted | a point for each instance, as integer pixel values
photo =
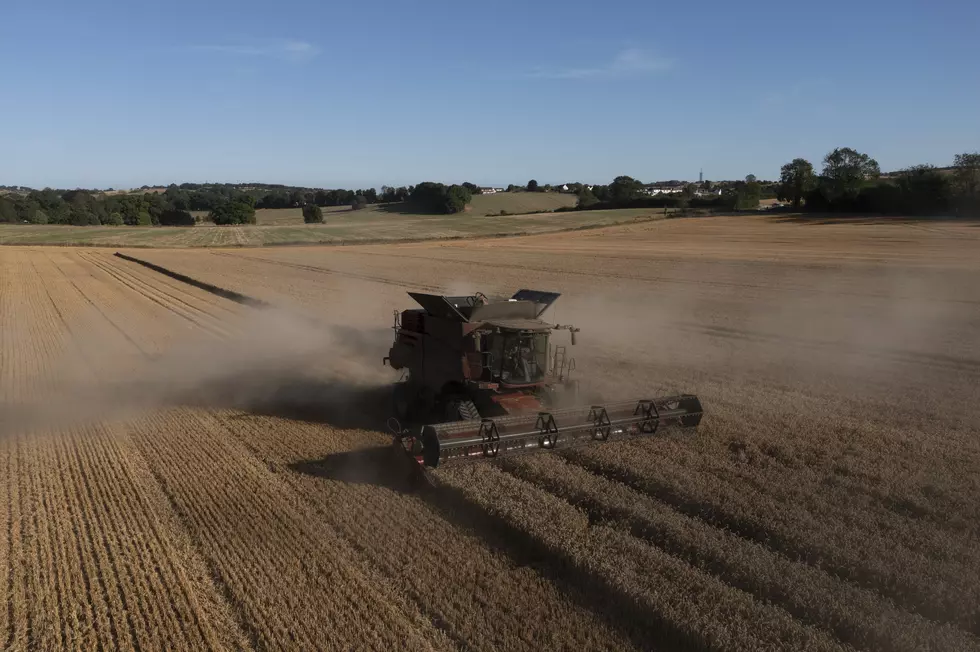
(632, 62)
(287, 50)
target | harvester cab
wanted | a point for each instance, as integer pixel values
(483, 378)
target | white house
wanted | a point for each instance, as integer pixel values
(491, 191)
(662, 190)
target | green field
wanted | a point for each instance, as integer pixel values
(514, 203)
(342, 226)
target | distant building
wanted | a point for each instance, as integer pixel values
(490, 191)
(662, 190)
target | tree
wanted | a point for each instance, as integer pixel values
(239, 211)
(586, 197)
(512, 188)
(845, 172)
(966, 182)
(966, 172)
(750, 178)
(532, 186)
(8, 211)
(625, 189)
(37, 216)
(745, 195)
(359, 202)
(457, 197)
(114, 219)
(390, 194)
(923, 190)
(177, 198)
(176, 217)
(473, 188)
(312, 214)
(796, 179)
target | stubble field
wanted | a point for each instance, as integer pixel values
(184, 472)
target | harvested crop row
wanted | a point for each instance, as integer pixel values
(168, 300)
(479, 599)
(35, 336)
(666, 601)
(90, 529)
(119, 306)
(867, 559)
(267, 547)
(857, 617)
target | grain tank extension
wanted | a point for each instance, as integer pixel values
(484, 379)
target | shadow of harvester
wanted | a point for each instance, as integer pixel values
(391, 468)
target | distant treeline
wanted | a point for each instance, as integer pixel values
(225, 203)
(627, 192)
(851, 182)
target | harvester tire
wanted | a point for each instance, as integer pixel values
(461, 409)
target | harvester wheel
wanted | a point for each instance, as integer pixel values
(461, 409)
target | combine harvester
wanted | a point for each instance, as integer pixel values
(483, 380)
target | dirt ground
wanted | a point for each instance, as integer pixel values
(184, 472)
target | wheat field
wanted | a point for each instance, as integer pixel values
(181, 471)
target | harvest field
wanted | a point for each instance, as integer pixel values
(181, 471)
(342, 225)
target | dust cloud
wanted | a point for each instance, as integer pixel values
(867, 332)
(273, 362)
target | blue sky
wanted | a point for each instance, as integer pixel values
(99, 94)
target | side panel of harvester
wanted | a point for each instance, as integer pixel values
(435, 351)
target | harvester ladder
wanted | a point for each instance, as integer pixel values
(560, 366)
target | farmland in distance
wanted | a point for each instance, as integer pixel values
(184, 472)
(342, 225)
